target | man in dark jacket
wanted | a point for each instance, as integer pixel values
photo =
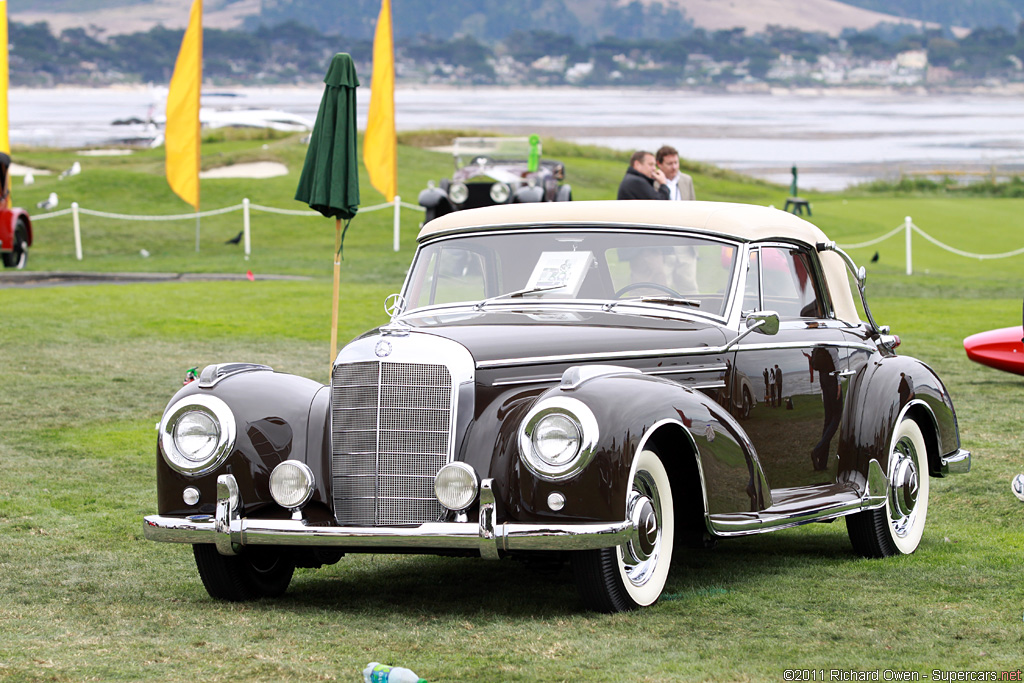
(640, 178)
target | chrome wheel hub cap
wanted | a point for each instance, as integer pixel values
(640, 554)
(904, 486)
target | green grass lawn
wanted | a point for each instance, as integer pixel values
(89, 369)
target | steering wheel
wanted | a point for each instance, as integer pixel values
(652, 285)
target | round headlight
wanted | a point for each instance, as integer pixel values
(291, 484)
(458, 193)
(558, 437)
(197, 434)
(500, 192)
(456, 486)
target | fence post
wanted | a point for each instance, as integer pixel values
(245, 226)
(910, 259)
(77, 224)
(398, 210)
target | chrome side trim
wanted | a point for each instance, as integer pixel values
(487, 536)
(764, 521)
(956, 463)
(687, 369)
(661, 353)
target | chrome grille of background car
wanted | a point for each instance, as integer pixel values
(391, 434)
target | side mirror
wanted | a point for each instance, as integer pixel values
(765, 322)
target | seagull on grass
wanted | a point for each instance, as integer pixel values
(48, 203)
(75, 169)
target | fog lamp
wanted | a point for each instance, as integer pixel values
(500, 192)
(291, 484)
(458, 193)
(456, 486)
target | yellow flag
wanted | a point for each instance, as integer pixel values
(181, 134)
(5, 138)
(380, 147)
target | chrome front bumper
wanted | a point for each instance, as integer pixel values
(230, 533)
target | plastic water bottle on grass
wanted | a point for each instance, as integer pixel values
(375, 672)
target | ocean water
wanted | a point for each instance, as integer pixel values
(834, 139)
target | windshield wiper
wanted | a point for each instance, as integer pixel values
(518, 294)
(667, 300)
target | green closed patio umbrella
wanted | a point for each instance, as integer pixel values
(330, 178)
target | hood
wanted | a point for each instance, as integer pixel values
(531, 333)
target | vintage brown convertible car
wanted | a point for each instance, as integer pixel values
(606, 383)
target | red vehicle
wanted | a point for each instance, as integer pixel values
(15, 226)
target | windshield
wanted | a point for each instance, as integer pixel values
(601, 265)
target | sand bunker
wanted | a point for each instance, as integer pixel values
(259, 169)
(18, 169)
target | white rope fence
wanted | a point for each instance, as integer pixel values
(245, 207)
(908, 228)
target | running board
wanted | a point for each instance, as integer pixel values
(805, 504)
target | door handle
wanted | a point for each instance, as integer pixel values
(843, 373)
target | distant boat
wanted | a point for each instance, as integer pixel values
(250, 118)
(1001, 349)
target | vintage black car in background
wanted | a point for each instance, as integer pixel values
(492, 171)
(605, 383)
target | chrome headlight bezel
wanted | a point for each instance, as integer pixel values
(458, 192)
(222, 417)
(580, 415)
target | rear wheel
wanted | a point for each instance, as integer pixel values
(634, 574)
(896, 528)
(252, 575)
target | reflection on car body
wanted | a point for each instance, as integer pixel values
(606, 383)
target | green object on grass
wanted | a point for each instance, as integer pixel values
(533, 163)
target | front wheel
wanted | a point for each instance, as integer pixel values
(896, 528)
(634, 574)
(18, 257)
(251, 575)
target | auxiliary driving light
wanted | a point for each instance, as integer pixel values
(456, 486)
(291, 484)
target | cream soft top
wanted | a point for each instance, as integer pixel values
(744, 222)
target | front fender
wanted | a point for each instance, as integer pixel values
(636, 412)
(433, 197)
(881, 392)
(8, 222)
(277, 417)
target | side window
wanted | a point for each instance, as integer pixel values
(788, 283)
(453, 274)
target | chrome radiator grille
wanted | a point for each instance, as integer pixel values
(390, 435)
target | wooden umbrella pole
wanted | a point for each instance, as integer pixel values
(334, 298)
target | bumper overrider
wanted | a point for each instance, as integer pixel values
(230, 533)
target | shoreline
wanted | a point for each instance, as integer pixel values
(743, 90)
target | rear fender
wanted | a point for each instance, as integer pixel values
(883, 391)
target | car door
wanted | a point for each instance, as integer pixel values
(796, 377)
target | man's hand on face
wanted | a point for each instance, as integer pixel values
(658, 175)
